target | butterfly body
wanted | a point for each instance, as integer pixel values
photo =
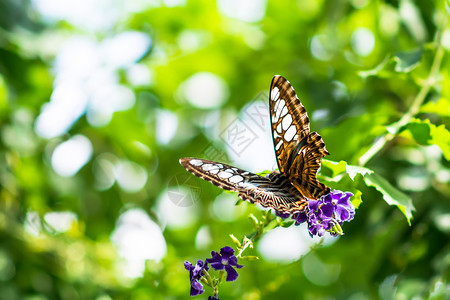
(298, 153)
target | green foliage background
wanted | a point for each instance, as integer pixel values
(397, 96)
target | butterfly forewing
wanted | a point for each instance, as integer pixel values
(298, 150)
(275, 191)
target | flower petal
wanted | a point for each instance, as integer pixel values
(342, 214)
(214, 259)
(313, 205)
(196, 288)
(226, 251)
(300, 218)
(217, 265)
(231, 273)
(328, 210)
(188, 266)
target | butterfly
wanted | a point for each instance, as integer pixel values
(298, 152)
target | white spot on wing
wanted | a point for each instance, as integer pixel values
(279, 105)
(279, 128)
(223, 174)
(289, 134)
(275, 94)
(277, 147)
(284, 111)
(236, 179)
(215, 170)
(207, 167)
(196, 162)
(287, 121)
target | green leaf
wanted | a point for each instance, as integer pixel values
(407, 60)
(335, 167)
(400, 62)
(426, 133)
(287, 224)
(440, 107)
(342, 167)
(352, 171)
(441, 136)
(356, 199)
(391, 195)
(375, 71)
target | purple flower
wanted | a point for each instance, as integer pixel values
(338, 206)
(300, 217)
(195, 273)
(225, 260)
(213, 298)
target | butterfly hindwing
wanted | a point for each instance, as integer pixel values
(275, 191)
(298, 150)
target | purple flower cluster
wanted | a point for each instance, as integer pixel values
(225, 260)
(327, 214)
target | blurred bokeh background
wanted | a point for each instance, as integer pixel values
(100, 98)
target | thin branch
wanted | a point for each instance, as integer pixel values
(414, 108)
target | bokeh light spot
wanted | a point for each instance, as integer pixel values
(362, 41)
(138, 238)
(70, 156)
(130, 176)
(318, 48)
(205, 90)
(166, 126)
(248, 11)
(319, 273)
(60, 221)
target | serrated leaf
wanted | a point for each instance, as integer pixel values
(391, 195)
(352, 171)
(407, 60)
(342, 167)
(440, 107)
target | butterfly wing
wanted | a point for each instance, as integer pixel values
(298, 150)
(275, 191)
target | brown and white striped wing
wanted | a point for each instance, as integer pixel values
(298, 150)
(277, 193)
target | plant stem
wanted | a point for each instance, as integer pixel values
(254, 236)
(414, 108)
